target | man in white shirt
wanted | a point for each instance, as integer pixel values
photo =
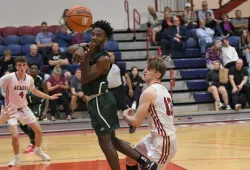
(229, 54)
(205, 36)
(204, 10)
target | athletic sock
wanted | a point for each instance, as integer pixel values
(142, 160)
(17, 156)
(135, 167)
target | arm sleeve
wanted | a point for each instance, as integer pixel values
(72, 83)
(231, 70)
(245, 73)
(122, 69)
(37, 38)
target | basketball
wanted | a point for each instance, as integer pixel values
(79, 18)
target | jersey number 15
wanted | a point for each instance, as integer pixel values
(168, 104)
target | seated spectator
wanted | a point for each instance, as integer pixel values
(211, 23)
(62, 20)
(166, 22)
(116, 85)
(7, 63)
(214, 54)
(76, 89)
(244, 45)
(58, 84)
(137, 85)
(216, 87)
(189, 17)
(204, 10)
(238, 77)
(226, 26)
(175, 38)
(56, 58)
(239, 23)
(168, 9)
(154, 19)
(44, 41)
(63, 39)
(229, 54)
(205, 36)
(34, 56)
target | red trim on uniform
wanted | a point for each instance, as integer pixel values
(19, 79)
(163, 150)
(167, 151)
(158, 120)
(156, 124)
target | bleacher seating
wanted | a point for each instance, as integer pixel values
(36, 30)
(27, 39)
(24, 30)
(2, 48)
(9, 31)
(11, 39)
(15, 49)
(26, 49)
(53, 28)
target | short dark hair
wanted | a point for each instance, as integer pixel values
(208, 13)
(21, 59)
(35, 64)
(105, 26)
(157, 64)
(44, 23)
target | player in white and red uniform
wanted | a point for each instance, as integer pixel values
(17, 86)
(155, 104)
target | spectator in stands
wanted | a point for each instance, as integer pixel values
(63, 39)
(58, 84)
(205, 36)
(168, 9)
(34, 57)
(116, 85)
(44, 41)
(226, 26)
(239, 23)
(154, 19)
(62, 20)
(189, 17)
(216, 87)
(238, 77)
(204, 10)
(167, 21)
(214, 54)
(211, 23)
(244, 45)
(56, 58)
(7, 63)
(229, 54)
(137, 85)
(76, 89)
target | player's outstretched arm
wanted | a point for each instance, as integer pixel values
(43, 95)
(147, 98)
(5, 114)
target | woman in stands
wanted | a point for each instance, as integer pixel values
(216, 87)
(137, 85)
(214, 54)
(63, 18)
(226, 26)
(244, 45)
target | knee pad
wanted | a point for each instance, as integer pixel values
(130, 162)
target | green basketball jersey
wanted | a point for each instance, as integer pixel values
(31, 98)
(99, 85)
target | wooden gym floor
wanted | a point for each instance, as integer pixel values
(211, 146)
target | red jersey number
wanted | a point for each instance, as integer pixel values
(168, 104)
(21, 94)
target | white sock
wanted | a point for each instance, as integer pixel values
(38, 148)
(17, 156)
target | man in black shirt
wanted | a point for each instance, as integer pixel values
(7, 63)
(238, 77)
(56, 58)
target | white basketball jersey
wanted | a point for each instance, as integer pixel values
(160, 117)
(16, 89)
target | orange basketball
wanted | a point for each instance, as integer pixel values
(79, 18)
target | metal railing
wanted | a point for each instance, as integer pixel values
(126, 7)
(136, 21)
(148, 36)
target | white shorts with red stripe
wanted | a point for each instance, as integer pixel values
(160, 149)
(24, 115)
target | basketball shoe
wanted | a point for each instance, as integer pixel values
(149, 166)
(14, 162)
(30, 149)
(42, 155)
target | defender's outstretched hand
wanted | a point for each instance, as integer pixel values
(55, 96)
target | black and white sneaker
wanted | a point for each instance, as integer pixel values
(150, 166)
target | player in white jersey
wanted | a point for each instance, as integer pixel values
(155, 104)
(17, 86)
(5, 114)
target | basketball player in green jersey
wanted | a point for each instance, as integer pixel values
(95, 65)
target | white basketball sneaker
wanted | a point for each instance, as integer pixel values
(14, 162)
(42, 155)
